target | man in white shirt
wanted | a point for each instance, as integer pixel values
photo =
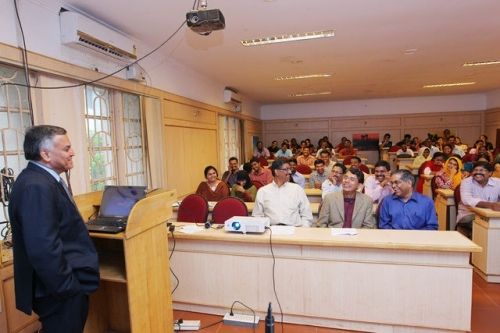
(296, 176)
(378, 185)
(283, 202)
(334, 181)
(479, 190)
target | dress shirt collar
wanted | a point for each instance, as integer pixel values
(49, 170)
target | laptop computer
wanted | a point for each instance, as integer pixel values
(116, 204)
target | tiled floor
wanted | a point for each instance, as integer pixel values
(485, 315)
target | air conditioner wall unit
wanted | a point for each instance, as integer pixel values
(231, 96)
(79, 30)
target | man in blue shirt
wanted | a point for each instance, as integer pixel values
(406, 209)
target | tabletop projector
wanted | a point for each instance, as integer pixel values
(246, 224)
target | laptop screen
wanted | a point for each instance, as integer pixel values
(117, 201)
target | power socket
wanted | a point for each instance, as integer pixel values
(187, 325)
(239, 319)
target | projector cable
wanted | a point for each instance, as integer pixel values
(274, 277)
(171, 228)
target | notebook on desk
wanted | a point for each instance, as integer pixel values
(116, 204)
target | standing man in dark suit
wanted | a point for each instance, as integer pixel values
(55, 262)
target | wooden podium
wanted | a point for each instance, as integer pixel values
(134, 292)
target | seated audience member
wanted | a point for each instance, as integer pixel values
(424, 155)
(496, 169)
(243, 187)
(450, 175)
(212, 189)
(455, 149)
(325, 156)
(406, 209)
(341, 145)
(479, 190)
(406, 140)
(415, 144)
(486, 144)
(328, 143)
(247, 166)
(294, 146)
(284, 152)
(319, 175)
(460, 144)
(322, 148)
(295, 176)
(229, 176)
(348, 208)
(261, 151)
(483, 152)
(334, 181)
(404, 151)
(386, 141)
(447, 150)
(446, 134)
(273, 148)
(311, 147)
(260, 174)
(437, 146)
(348, 150)
(306, 158)
(378, 185)
(283, 202)
(428, 168)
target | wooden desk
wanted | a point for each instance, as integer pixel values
(486, 233)
(134, 293)
(11, 319)
(250, 205)
(446, 209)
(313, 194)
(376, 281)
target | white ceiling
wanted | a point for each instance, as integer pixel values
(366, 57)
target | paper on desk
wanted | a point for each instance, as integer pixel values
(282, 230)
(190, 229)
(344, 232)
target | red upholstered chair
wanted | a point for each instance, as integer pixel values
(227, 208)
(304, 169)
(394, 149)
(263, 161)
(347, 160)
(257, 184)
(364, 168)
(194, 208)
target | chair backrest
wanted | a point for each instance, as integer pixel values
(194, 208)
(364, 168)
(227, 208)
(257, 184)
(347, 160)
(394, 149)
(263, 161)
(304, 169)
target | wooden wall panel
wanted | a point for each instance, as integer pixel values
(467, 125)
(492, 123)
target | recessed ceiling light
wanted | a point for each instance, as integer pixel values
(310, 94)
(297, 77)
(288, 38)
(482, 63)
(455, 84)
(410, 51)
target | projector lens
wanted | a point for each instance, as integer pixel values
(236, 225)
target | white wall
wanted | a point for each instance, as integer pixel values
(382, 106)
(493, 99)
(40, 20)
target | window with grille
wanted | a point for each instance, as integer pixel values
(115, 141)
(15, 118)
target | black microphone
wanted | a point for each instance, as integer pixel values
(269, 320)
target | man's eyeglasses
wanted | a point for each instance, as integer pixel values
(286, 170)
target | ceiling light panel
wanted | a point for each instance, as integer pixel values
(288, 38)
(310, 94)
(455, 84)
(298, 77)
(482, 63)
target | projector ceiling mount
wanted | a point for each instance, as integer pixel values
(203, 21)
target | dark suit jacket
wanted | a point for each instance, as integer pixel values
(53, 253)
